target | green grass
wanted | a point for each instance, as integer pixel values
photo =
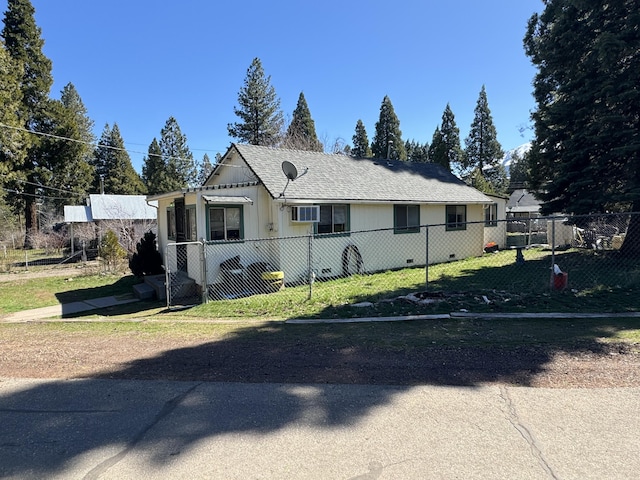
(597, 283)
(256, 319)
(23, 294)
(560, 334)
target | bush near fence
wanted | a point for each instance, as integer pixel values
(586, 249)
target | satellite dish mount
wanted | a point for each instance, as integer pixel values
(291, 172)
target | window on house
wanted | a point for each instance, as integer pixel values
(333, 219)
(190, 219)
(491, 215)
(406, 218)
(456, 217)
(171, 223)
(225, 223)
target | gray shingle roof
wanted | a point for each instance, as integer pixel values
(335, 177)
(522, 200)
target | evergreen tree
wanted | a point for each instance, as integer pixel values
(100, 160)
(70, 98)
(204, 170)
(445, 145)
(518, 171)
(261, 119)
(496, 180)
(438, 150)
(76, 172)
(586, 154)
(361, 147)
(177, 158)
(62, 164)
(480, 165)
(301, 133)
(147, 260)
(113, 165)
(23, 43)
(154, 171)
(22, 39)
(417, 152)
(13, 140)
(387, 141)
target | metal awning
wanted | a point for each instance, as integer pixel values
(226, 199)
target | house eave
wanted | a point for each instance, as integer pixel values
(180, 193)
(306, 201)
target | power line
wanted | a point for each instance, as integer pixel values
(94, 144)
(45, 186)
(44, 197)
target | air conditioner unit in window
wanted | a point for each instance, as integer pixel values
(305, 213)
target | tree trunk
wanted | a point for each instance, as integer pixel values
(30, 216)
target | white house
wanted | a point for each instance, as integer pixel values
(248, 196)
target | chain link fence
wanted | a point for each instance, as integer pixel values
(533, 255)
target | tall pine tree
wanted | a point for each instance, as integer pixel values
(438, 150)
(76, 172)
(23, 43)
(480, 164)
(301, 133)
(586, 154)
(204, 170)
(13, 140)
(417, 152)
(177, 158)
(62, 163)
(387, 141)
(261, 119)
(361, 147)
(445, 146)
(154, 171)
(587, 147)
(113, 165)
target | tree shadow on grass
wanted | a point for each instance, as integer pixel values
(122, 286)
(597, 282)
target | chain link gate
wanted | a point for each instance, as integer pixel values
(185, 274)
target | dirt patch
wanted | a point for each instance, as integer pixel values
(40, 353)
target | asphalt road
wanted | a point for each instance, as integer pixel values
(108, 429)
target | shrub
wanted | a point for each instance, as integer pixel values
(147, 260)
(110, 250)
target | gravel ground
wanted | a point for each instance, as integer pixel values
(39, 353)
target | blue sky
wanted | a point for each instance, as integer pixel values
(138, 62)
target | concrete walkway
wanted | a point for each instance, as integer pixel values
(66, 309)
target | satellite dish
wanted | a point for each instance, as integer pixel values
(290, 170)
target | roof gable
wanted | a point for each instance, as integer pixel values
(336, 177)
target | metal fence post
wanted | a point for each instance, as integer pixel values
(309, 265)
(553, 250)
(167, 276)
(203, 272)
(426, 256)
